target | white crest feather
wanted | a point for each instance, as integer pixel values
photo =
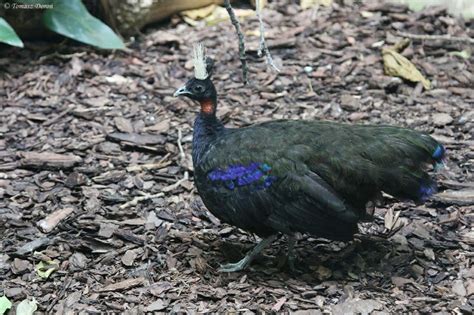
(199, 61)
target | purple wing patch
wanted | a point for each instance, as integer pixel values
(255, 175)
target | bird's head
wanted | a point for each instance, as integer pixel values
(200, 88)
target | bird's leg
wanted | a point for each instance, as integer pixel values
(291, 252)
(245, 262)
(288, 261)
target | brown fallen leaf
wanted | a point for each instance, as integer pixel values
(212, 14)
(200, 13)
(396, 65)
(306, 4)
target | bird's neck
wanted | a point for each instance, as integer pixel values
(206, 128)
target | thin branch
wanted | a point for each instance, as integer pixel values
(182, 155)
(446, 37)
(146, 196)
(176, 185)
(263, 44)
(137, 199)
(240, 35)
(151, 166)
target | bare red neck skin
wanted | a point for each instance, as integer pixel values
(207, 106)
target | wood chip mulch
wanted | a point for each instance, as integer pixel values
(92, 176)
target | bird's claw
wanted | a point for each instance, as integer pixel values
(234, 267)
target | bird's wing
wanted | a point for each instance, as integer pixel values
(320, 172)
(257, 170)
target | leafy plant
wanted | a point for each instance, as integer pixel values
(8, 35)
(69, 18)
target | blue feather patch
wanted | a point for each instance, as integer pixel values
(255, 175)
(427, 190)
(438, 153)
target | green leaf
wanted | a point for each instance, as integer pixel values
(5, 305)
(71, 19)
(8, 35)
(45, 269)
(26, 307)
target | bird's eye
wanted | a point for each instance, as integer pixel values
(198, 89)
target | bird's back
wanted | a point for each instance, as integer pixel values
(311, 176)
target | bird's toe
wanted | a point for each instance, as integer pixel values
(234, 267)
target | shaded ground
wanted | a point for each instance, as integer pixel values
(111, 114)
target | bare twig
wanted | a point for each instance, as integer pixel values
(151, 166)
(182, 155)
(446, 37)
(240, 35)
(175, 185)
(137, 199)
(148, 167)
(146, 196)
(263, 48)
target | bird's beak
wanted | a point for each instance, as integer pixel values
(182, 91)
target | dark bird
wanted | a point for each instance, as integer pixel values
(288, 176)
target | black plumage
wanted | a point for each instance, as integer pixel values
(290, 176)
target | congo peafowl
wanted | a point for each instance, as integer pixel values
(290, 176)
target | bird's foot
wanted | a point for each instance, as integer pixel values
(235, 267)
(287, 262)
(245, 262)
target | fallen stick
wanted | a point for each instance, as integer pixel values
(146, 196)
(151, 166)
(446, 37)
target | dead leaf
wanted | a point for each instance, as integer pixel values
(44, 269)
(213, 14)
(5, 304)
(306, 4)
(199, 14)
(27, 307)
(391, 219)
(396, 65)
